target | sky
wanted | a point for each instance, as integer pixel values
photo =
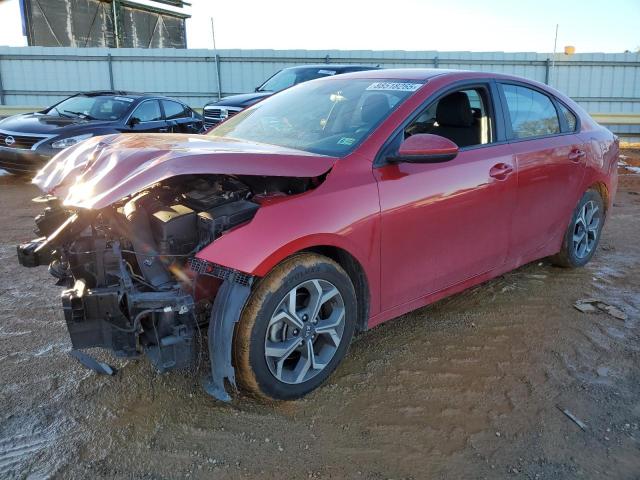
(445, 25)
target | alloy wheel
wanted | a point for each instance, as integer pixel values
(304, 331)
(586, 229)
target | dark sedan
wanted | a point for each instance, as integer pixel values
(28, 141)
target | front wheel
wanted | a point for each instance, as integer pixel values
(583, 234)
(296, 328)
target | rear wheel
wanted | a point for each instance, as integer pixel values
(296, 328)
(583, 234)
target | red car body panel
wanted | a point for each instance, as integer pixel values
(464, 219)
(548, 190)
(419, 231)
(283, 227)
(434, 209)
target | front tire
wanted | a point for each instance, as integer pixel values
(583, 234)
(295, 329)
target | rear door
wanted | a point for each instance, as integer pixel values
(147, 117)
(443, 223)
(550, 159)
(180, 118)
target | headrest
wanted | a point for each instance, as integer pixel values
(374, 107)
(454, 110)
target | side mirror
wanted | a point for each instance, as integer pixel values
(425, 148)
(257, 89)
(133, 121)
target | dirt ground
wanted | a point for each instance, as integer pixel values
(471, 387)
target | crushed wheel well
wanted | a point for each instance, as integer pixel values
(356, 274)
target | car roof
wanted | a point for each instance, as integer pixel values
(134, 95)
(424, 74)
(421, 74)
(99, 93)
(334, 66)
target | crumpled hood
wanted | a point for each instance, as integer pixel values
(103, 170)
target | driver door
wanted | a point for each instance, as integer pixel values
(444, 223)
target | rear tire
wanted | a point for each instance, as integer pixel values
(583, 233)
(295, 329)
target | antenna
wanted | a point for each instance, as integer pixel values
(553, 59)
(213, 34)
(217, 58)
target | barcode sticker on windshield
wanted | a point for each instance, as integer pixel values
(346, 141)
(124, 99)
(327, 72)
(395, 86)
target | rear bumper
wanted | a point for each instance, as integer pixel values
(23, 161)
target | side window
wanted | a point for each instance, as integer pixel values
(532, 113)
(569, 116)
(148, 111)
(175, 110)
(463, 117)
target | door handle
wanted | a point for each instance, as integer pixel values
(163, 130)
(576, 154)
(500, 171)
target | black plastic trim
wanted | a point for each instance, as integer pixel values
(440, 158)
(225, 313)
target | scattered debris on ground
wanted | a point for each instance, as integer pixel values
(592, 305)
(573, 418)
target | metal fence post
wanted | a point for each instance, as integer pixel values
(1, 87)
(218, 80)
(110, 64)
(436, 61)
(547, 70)
(327, 59)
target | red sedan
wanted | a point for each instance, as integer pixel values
(320, 212)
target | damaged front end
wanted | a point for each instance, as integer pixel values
(133, 282)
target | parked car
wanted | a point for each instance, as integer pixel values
(215, 112)
(29, 140)
(324, 210)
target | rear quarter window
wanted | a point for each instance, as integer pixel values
(175, 110)
(570, 117)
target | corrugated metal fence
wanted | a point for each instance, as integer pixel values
(602, 83)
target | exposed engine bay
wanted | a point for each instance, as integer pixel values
(133, 284)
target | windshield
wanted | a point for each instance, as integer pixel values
(293, 76)
(326, 117)
(102, 107)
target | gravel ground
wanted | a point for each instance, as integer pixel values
(471, 387)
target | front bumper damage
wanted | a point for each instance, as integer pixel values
(128, 225)
(162, 324)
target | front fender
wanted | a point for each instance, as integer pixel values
(261, 266)
(331, 215)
